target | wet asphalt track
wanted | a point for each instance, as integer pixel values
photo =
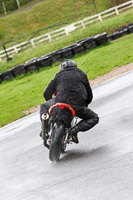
(99, 168)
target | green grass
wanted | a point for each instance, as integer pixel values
(26, 91)
(45, 14)
(109, 25)
(21, 26)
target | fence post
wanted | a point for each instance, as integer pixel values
(16, 50)
(66, 31)
(49, 37)
(8, 58)
(116, 10)
(32, 43)
(83, 24)
(100, 17)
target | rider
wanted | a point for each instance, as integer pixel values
(71, 86)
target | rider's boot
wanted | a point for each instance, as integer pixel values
(74, 135)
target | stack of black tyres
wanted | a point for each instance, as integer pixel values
(130, 28)
(88, 43)
(18, 70)
(77, 48)
(44, 61)
(6, 76)
(66, 53)
(31, 65)
(121, 32)
(101, 39)
(55, 56)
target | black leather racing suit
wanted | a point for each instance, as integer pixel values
(71, 86)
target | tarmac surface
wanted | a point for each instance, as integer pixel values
(100, 167)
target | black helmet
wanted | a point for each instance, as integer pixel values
(67, 63)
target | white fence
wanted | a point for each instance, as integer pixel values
(59, 33)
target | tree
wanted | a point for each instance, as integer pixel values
(18, 3)
(94, 3)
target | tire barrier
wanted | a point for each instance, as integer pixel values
(65, 53)
(101, 39)
(117, 35)
(0, 79)
(77, 48)
(7, 76)
(130, 28)
(121, 32)
(44, 61)
(88, 43)
(55, 56)
(18, 70)
(31, 65)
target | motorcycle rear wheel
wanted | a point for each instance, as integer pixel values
(54, 152)
(55, 148)
(63, 145)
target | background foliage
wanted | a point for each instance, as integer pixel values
(34, 15)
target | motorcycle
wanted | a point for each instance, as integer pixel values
(61, 119)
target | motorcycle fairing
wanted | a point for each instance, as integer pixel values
(62, 106)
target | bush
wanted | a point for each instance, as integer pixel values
(23, 2)
(11, 5)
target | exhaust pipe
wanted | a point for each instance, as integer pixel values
(45, 116)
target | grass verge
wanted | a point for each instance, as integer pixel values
(25, 92)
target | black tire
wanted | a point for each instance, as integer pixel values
(63, 146)
(54, 152)
(56, 140)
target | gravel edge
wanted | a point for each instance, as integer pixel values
(114, 73)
